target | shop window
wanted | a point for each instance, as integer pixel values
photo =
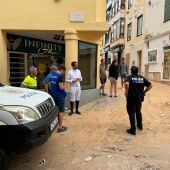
(130, 2)
(129, 31)
(43, 63)
(167, 10)
(87, 60)
(139, 25)
(166, 69)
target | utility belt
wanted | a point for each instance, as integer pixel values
(136, 97)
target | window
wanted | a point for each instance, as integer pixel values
(117, 6)
(118, 29)
(167, 10)
(122, 27)
(152, 56)
(122, 4)
(129, 32)
(113, 11)
(139, 25)
(130, 2)
(87, 60)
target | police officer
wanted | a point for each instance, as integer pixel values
(135, 91)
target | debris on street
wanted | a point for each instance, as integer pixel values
(88, 159)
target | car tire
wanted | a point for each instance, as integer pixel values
(3, 159)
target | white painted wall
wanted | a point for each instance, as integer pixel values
(160, 32)
(158, 44)
(155, 18)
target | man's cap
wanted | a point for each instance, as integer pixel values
(134, 68)
(53, 68)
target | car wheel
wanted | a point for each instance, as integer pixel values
(3, 159)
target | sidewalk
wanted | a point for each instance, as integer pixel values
(97, 140)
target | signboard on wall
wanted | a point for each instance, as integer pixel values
(24, 44)
(76, 17)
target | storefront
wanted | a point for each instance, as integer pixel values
(118, 53)
(24, 52)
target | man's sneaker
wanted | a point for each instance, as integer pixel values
(60, 130)
(104, 94)
(130, 131)
(70, 113)
(77, 112)
(140, 127)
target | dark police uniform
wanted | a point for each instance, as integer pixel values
(135, 97)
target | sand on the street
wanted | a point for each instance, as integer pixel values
(97, 140)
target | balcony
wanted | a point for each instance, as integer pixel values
(118, 42)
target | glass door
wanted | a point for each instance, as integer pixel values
(166, 69)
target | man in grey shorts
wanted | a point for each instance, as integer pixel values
(123, 69)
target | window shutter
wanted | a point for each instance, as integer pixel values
(167, 10)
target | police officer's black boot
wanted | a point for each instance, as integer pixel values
(71, 108)
(77, 108)
(132, 130)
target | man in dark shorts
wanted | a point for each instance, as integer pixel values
(135, 91)
(57, 91)
(103, 77)
(123, 69)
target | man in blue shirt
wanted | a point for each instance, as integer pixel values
(56, 89)
(46, 80)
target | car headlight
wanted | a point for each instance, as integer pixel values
(22, 114)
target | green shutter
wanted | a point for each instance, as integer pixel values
(167, 10)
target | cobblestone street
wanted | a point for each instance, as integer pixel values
(97, 140)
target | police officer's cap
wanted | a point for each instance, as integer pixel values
(134, 69)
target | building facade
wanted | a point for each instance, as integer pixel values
(117, 41)
(43, 33)
(105, 51)
(135, 33)
(157, 40)
(113, 41)
(125, 37)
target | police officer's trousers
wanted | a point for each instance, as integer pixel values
(134, 110)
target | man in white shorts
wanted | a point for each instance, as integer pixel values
(74, 78)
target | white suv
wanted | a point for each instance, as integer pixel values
(27, 119)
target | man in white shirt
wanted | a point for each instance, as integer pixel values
(74, 78)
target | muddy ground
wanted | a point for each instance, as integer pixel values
(97, 140)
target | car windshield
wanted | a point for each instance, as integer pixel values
(1, 85)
